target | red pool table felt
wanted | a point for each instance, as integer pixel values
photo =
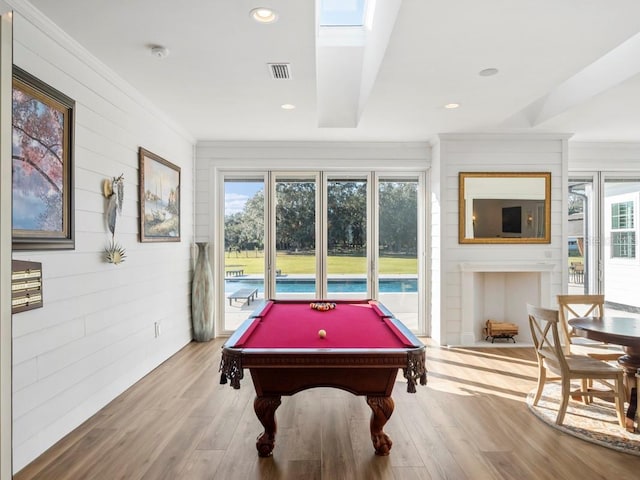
(283, 324)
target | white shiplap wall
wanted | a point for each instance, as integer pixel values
(95, 335)
(435, 276)
(491, 153)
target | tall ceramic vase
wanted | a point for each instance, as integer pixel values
(202, 296)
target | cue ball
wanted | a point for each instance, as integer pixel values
(322, 333)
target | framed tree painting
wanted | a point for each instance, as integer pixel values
(42, 164)
(159, 198)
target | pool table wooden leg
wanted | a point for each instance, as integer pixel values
(381, 410)
(265, 408)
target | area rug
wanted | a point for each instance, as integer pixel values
(596, 422)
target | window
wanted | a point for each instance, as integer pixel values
(623, 237)
(341, 13)
(622, 215)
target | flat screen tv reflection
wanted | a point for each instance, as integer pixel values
(512, 220)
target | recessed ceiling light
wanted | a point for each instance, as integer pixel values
(488, 72)
(287, 106)
(451, 106)
(263, 15)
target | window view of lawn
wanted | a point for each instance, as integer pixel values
(252, 262)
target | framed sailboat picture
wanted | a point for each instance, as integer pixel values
(159, 198)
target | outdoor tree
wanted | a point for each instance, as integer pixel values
(575, 203)
(253, 221)
(346, 213)
(398, 222)
(295, 215)
(233, 230)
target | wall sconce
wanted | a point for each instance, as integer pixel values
(529, 219)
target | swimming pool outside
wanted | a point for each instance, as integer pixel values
(335, 285)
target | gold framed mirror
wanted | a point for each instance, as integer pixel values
(504, 207)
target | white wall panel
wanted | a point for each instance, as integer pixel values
(95, 335)
(607, 156)
(492, 153)
(25, 374)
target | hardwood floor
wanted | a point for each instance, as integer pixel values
(469, 422)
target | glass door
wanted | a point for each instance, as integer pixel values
(244, 247)
(296, 230)
(346, 223)
(582, 237)
(398, 245)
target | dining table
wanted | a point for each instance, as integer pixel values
(617, 330)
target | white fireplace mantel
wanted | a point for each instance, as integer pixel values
(472, 291)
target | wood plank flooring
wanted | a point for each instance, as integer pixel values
(469, 422)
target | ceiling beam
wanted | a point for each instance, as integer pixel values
(610, 70)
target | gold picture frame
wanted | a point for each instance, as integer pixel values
(504, 207)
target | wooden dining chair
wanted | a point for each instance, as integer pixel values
(550, 354)
(573, 306)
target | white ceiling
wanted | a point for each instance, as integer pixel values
(569, 66)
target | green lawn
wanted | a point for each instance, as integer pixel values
(253, 263)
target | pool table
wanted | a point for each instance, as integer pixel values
(363, 348)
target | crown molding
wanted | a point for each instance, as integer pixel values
(505, 135)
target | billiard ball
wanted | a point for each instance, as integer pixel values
(322, 333)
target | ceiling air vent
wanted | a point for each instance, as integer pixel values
(280, 71)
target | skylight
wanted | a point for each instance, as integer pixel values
(342, 13)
